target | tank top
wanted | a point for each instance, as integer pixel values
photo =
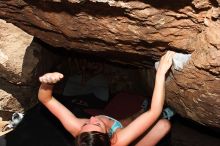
(114, 126)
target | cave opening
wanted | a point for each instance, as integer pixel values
(85, 73)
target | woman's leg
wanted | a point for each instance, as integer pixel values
(158, 131)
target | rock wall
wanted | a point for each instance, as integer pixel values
(138, 33)
(17, 64)
(194, 91)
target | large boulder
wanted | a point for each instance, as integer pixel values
(17, 65)
(137, 33)
(22, 60)
(194, 91)
(17, 60)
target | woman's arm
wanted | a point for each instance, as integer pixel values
(67, 118)
(145, 120)
(159, 88)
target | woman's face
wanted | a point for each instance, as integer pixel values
(94, 124)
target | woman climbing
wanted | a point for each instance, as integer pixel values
(102, 130)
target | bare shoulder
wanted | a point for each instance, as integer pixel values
(83, 121)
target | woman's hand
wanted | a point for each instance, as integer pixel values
(51, 78)
(165, 62)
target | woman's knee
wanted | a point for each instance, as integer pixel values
(164, 125)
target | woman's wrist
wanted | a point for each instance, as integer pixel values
(160, 74)
(45, 92)
(46, 85)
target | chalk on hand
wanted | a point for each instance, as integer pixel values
(179, 60)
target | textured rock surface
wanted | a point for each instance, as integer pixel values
(17, 60)
(138, 32)
(15, 98)
(195, 91)
(17, 64)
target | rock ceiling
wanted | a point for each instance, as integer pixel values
(137, 32)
